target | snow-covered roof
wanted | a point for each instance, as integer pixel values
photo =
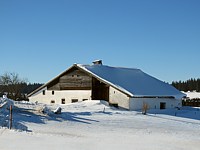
(132, 81)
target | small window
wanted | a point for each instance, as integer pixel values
(162, 105)
(52, 101)
(74, 100)
(52, 92)
(63, 101)
(85, 99)
(43, 92)
(74, 75)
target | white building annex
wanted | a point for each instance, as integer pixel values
(123, 87)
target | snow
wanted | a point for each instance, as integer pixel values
(192, 94)
(132, 81)
(95, 125)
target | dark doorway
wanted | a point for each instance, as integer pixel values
(162, 105)
(100, 91)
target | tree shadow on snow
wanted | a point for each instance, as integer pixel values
(22, 116)
(73, 116)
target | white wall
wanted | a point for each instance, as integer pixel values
(68, 95)
(117, 97)
(153, 103)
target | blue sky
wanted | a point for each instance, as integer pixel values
(41, 38)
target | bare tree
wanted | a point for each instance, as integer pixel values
(12, 84)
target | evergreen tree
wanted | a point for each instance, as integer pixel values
(189, 85)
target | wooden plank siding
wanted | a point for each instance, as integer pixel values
(54, 85)
(74, 79)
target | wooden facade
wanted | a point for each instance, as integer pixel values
(74, 79)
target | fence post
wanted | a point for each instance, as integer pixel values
(10, 123)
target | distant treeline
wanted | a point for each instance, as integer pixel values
(25, 88)
(28, 88)
(189, 85)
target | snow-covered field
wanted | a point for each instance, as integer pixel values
(93, 125)
(192, 94)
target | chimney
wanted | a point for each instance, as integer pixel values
(97, 62)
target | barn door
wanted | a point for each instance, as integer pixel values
(100, 91)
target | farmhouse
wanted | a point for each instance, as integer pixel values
(127, 88)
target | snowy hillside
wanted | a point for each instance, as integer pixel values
(193, 94)
(93, 125)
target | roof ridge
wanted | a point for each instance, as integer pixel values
(108, 66)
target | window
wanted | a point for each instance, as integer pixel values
(63, 101)
(162, 105)
(52, 92)
(74, 75)
(43, 92)
(74, 100)
(52, 101)
(85, 99)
